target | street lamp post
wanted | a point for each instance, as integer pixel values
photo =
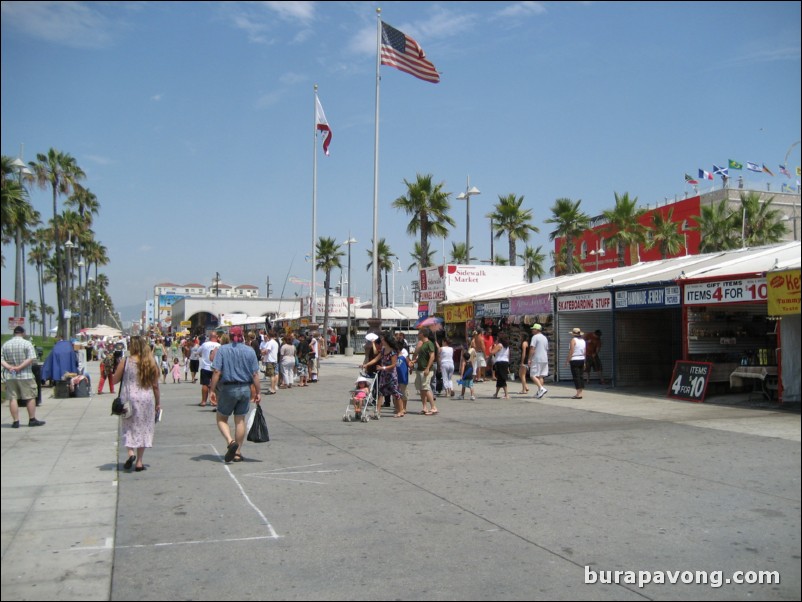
(18, 165)
(395, 269)
(67, 309)
(598, 252)
(349, 242)
(469, 192)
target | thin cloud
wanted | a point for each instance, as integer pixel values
(523, 9)
(75, 24)
(769, 55)
(259, 20)
(99, 159)
(156, 97)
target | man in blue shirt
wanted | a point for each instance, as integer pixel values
(236, 371)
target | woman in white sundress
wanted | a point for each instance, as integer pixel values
(138, 376)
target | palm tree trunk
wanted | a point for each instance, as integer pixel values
(326, 283)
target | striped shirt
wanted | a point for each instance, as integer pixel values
(14, 352)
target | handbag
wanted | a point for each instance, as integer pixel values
(258, 431)
(120, 407)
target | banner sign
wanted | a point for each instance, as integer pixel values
(532, 304)
(784, 292)
(746, 290)
(461, 312)
(648, 297)
(585, 302)
(457, 281)
(495, 309)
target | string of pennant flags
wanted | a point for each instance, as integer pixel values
(724, 172)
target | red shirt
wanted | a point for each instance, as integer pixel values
(488, 339)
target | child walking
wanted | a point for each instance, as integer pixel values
(165, 368)
(466, 370)
(176, 371)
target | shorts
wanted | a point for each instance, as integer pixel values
(21, 389)
(421, 383)
(194, 365)
(466, 382)
(270, 369)
(539, 369)
(206, 377)
(481, 362)
(593, 363)
(233, 399)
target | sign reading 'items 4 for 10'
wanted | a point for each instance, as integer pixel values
(726, 291)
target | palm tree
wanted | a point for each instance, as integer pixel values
(428, 205)
(459, 253)
(716, 225)
(760, 222)
(327, 257)
(18, 219)
(385, 265)
(85, 201)
(664, 234)
(560, 263)
(60, 172)
(30, 306)
(623, 226)
(571, 222)
(418, 258)
(534, 263)
(38, 256)
(508, 218)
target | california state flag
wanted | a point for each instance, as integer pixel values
(322, 125)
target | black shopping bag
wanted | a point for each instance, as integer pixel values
(258, 432)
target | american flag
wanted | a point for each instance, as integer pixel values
(402, 52)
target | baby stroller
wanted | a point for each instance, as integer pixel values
(359, 404)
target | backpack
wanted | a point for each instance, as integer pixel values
(108, 363)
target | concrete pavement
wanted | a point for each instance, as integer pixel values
(492, 499)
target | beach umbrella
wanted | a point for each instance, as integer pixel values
(432, 322)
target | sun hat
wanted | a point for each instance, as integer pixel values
(362, 379)
(371, 336)
(577, 332)
(537, 327)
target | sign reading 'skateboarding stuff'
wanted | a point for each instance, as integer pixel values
(690, 380)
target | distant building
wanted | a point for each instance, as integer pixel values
(165, 295)
(594, 254)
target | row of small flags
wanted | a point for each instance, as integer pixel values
(724, 172)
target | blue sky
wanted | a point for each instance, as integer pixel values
(194, 121)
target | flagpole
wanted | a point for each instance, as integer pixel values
(375, 303)
(312, 290)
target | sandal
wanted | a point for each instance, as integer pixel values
(129, 462)
(238, 458)
(202, 404)
(576, 397)
(433, 412)
(232, 451)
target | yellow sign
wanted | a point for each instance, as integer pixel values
(186, 323)
(783, 297)
(458, 313)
